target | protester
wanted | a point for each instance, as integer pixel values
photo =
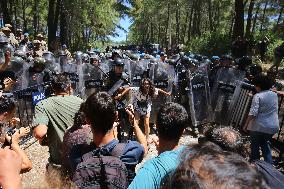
(10, 167)
(142, 100)
(11, 141)
(120, 159)
(171, 121)
(77, 136)
(206, 166)
(53, 116)
(231, 140)
(262, 121)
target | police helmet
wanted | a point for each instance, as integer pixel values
(118, 62)
(3, 38)
(78, 55)
(85, 58)
(48, 56)
(20, 53)
(255, 69)
(243, 62)
(16, 64)
(39, 64)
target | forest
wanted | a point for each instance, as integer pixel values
(203, 26)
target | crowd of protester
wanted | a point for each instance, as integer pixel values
(84, 150)
(96, 159)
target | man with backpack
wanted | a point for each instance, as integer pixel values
(107, 163)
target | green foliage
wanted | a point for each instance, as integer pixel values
(214, 43)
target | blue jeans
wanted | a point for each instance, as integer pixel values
(260, 140)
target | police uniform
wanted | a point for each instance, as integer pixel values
(43, 44)
(37, 52)
(11, 37)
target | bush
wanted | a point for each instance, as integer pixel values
(210, 44)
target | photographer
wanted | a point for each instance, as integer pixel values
(53, 116)
(11, 140)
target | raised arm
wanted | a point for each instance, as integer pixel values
(141, 138)
(126, 90)
(164, 92)
(7, 61)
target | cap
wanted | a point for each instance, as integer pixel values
(8, 25)
(19, 30)
(40, 35)
(36, 42)
(163, 54)
(215, 58)
(6, 29)
(26, 34)
(64, 46)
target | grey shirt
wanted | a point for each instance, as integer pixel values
(264, 108)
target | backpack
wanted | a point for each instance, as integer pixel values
(102, 171)
(274, 178)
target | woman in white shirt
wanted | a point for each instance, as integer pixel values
(262, 121)
(142, 100)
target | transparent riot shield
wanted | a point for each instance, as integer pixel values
(20, 68)
(226, 88)
(199, 97)
(163, 76)
(138, 68)
(93, 78)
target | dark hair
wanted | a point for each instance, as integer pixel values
(226, 137)
(100, 110)
(151, 92)
(61, 82)
(172, 119)
(6, 105)
(207, 167)
(263, 82)
(6, 74)
(79, 118)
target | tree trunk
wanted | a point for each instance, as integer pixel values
(250, 10)
(177, 25)
(263, 15)
(169, 27)
(35, 17)
(63, 24)
(51, 26)
(210, 15)
(24, 15)
(185, 27)
(6, 12)
(239, 19)
(16, 16)
(190, 22)
(279, 18)
(255, 18)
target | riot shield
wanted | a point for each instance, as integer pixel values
(199, 97)
(226, 87)
(93, 78)
(138, 68)
(20, 68)
(163, 76)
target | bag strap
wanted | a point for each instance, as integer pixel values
(87, 156)
(118, 150)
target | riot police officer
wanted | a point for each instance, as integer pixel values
(5, 55)
(117, 73)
